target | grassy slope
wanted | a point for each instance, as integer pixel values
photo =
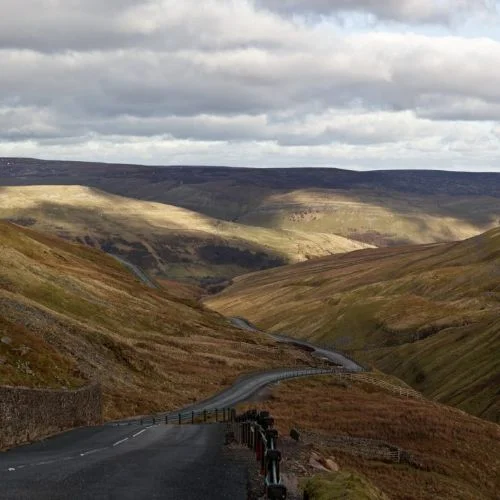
(429, 314)
(458, 455)
(165, 239)
(342, 485)
(382, 217)
(378, 215)
(381, 207)
(70, 314)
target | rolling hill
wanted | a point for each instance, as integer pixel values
(163, 239)
(383, 208)
(428, 314)
(71, 314)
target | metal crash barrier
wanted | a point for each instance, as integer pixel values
(255, 429)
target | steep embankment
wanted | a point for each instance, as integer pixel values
(428, 314)
(70, 314)
(163, 239)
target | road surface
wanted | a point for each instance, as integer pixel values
(168, 462)
(319, 352)
(136, 270)
(126, 460)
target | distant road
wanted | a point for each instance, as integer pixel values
(136, 270)
(319, 352)
(125, 460)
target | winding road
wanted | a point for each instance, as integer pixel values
(316, 351)
(129, 460)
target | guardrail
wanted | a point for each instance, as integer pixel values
(210, 410)
(395, 389)
(205, 416)
(256, 430)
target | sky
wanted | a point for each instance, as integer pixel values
(362, 84)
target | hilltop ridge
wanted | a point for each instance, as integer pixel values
(378, 207)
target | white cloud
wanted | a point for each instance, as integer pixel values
(167, 80)
(412, 11)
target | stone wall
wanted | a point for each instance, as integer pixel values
(30, 414)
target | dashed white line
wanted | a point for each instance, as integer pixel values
(139, 433)
(90, 452)
(120, 442)
(47, 462)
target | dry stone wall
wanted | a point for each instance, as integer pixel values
(30, 414)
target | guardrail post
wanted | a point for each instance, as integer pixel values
(192, 417)
(224, 414)
(180, 421)
(204, 416)
(216, 415)
(272, 438)
(166, 419)
(276, 492)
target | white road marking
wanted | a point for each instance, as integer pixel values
(90, 452)
(46, 462)
(12, 469)
(120, 442)
(139, 433)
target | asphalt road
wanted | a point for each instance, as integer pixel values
(136, 270)
(126, 460)
(319, 352)
(133, 462)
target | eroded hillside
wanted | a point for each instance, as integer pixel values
(70, 315)
(429, 314)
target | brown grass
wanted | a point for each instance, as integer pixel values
(428, 314)
(457, 456)
(165, 239)
(73, 314)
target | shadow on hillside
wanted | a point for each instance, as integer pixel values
(230, 193)
(146, 245)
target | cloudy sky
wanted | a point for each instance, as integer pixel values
(347, 83)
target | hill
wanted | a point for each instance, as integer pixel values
(442, 452)
(429, 314)
(163, 239)
(383, 208)
(71, 314)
